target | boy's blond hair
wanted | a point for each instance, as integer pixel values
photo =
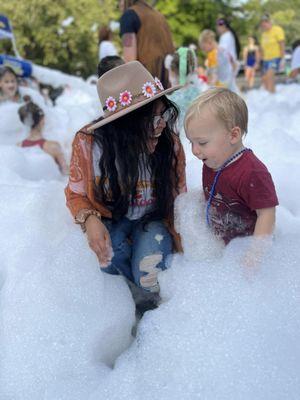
(207, 36)
(225, 104)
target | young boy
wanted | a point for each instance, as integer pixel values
(219, 64)
(238, 188)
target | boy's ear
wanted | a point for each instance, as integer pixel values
(235, 134)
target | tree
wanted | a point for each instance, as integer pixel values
(187, 18)
(59, 34)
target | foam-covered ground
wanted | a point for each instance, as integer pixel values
(65, 327)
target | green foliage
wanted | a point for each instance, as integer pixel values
(42, 38)
(187, 18)
(286, 14)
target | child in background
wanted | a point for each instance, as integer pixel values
(33, 117)
(182, 67)
(9, 88)
(219, 66)
(109, 62)
(251, 61)
(238, 188)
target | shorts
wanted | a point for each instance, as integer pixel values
(271, 64)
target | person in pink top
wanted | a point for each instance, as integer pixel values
(238, 188)
(33, 117)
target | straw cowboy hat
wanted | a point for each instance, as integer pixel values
(126, 88)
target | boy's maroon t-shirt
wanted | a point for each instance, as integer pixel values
(242, 187)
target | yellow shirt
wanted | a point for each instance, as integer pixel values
(212, 58)
(213, 67)
(270, 42)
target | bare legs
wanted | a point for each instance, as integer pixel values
(269, 80)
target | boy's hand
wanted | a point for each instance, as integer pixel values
(254, 256)
(99, 240)
(250, 263)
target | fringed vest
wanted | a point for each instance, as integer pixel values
(154, 41)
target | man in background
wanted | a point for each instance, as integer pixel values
(272, 48)
(146, 37)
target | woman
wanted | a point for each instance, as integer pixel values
(126, 170)
(229, 41)
(33, 117)
(251, 61)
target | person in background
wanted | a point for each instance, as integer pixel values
(109, 62)
(9, 86)
(272, 51)
(146, 37)
(295, 64)
(251, 61)
(218, 63)
(106, 46)
(33, 117)
(229, 41)
(182, 67)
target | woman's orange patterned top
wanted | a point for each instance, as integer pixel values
(80, 193)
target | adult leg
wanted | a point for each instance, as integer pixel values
(150, 247)
(270, 80)
(265, 67)
(121, 261)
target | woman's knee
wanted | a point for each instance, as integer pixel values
(149, 268)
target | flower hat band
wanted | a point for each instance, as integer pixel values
(126, 98)
(126, 88)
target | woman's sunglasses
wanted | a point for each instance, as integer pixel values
(166, 116)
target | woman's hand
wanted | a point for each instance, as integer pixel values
(99, 240)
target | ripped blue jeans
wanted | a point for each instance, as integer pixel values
(139, 254)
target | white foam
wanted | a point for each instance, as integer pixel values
(220, 333)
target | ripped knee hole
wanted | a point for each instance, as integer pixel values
(148, 264)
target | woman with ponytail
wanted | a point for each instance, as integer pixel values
(229, 41)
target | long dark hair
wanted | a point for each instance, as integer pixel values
(225, 22)
(30, 113)
(123, 143)
(104, 34)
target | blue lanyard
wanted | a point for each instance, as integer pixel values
(212, 191)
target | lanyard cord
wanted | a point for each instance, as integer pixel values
(212, 191)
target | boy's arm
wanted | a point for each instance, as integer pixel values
(263, 230)
(265, 222)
